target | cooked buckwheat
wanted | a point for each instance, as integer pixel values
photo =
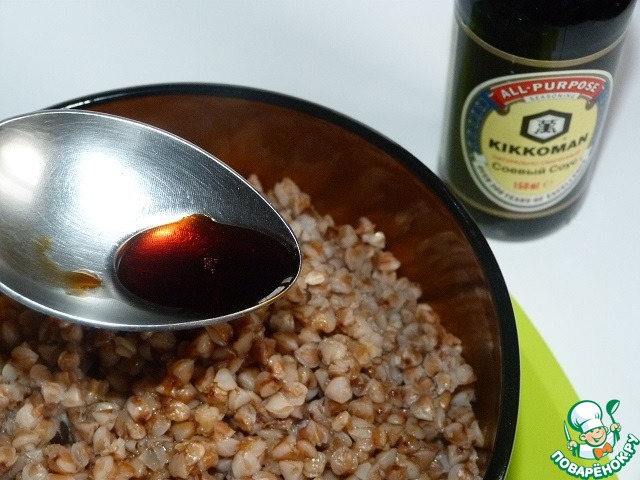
(347, 375)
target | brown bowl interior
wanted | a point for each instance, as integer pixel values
(351, 172)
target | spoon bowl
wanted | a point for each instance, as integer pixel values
(76, 185)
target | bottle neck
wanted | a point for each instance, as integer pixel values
(554, 30)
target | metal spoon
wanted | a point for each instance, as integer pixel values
(76, 185)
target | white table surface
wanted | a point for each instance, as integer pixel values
(383, 63)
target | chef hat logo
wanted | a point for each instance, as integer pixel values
(585, 415)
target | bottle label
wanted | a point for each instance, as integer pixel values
(528, 139)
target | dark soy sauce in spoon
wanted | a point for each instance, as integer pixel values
(203, 266)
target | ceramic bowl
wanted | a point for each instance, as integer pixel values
(351, 171)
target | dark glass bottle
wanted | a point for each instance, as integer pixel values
(530, 83)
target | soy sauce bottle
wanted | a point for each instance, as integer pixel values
(530, 84)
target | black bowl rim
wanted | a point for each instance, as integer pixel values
(505, 432)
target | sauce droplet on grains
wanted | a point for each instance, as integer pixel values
(203, 266)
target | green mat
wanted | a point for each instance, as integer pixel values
(546, 395)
